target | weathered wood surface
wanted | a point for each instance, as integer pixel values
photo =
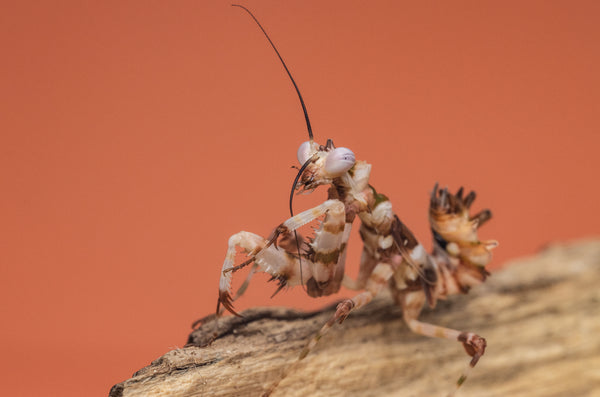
(540, 316)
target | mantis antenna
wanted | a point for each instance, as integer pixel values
(308, 127)
(310, 133)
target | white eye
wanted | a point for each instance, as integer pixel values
(304, 152)
(339, 160)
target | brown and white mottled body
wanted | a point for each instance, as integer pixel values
(392, 257)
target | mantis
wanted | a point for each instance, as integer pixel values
(392, 257)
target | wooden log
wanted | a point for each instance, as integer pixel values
(540, 316)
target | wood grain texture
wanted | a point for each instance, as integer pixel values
(540, 316)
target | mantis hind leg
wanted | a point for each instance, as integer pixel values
(474, 344)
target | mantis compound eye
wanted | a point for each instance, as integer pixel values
(305, 151)
(339, 161)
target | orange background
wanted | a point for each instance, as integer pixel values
(137, 136)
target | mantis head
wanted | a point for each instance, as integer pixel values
(321, 164)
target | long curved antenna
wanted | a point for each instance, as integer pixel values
(310, 133)
(308, 127)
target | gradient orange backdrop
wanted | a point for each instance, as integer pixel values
(136, 136)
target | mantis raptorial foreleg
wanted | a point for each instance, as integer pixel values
(320, 258)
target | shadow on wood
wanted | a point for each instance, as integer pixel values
(540, 316)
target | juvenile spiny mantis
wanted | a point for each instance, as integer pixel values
(392, 257)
